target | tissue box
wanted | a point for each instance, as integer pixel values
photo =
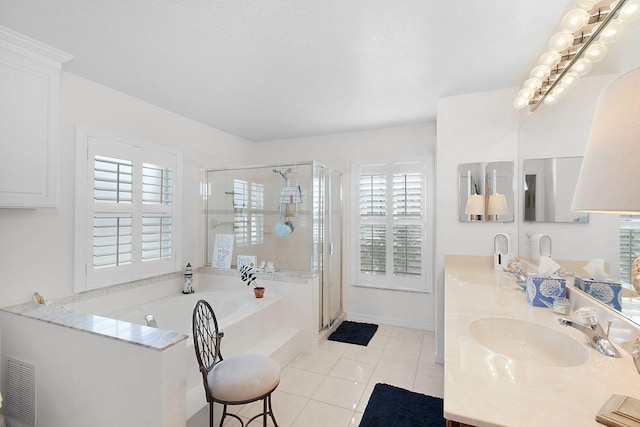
(541, 290)
(607, 291)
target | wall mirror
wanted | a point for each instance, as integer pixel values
(548, 189)
(561, 131)
(485, 192)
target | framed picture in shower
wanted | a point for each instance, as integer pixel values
(222, 250)
(246, 260)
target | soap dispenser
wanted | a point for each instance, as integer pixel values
(540, 246)
(501, 251)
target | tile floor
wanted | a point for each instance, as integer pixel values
(331, 387)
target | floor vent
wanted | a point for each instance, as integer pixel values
(20, 402)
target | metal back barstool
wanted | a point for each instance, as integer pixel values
(233, 381)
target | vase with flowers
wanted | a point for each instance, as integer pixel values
(248, 275)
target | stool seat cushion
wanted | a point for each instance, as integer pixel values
(243, 378)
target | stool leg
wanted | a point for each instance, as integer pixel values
(210, 414)
(264, 412)
(275, 423)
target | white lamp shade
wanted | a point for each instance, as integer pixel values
(609, 180)
(475, 205)
(497, 205)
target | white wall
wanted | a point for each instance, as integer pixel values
(480, 127)
(36, 249)
(338, 151)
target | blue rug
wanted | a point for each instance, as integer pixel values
(354, 333)
(391, 406)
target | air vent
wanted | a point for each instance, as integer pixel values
(21, 391)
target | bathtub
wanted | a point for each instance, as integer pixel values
(174, 313)
(244, 319)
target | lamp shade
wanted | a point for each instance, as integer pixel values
(609, 180)
(497, 205)
(475, 205)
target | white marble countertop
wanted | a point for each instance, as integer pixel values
(154, 338)
(483, 388)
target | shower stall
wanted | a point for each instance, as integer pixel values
(282, 218)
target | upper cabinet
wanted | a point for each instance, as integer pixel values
(29, 117)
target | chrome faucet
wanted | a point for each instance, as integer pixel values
(151, 321)
(516, 271)
(597, 337)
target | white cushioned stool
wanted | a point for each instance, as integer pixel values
(236, 380)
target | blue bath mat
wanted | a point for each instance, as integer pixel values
(354, 332)
(397, 407)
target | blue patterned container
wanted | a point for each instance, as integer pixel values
(607, 291)
(541, 290)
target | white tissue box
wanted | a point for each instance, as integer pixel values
(607, 291)
(541, 290)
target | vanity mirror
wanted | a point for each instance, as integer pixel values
(485, 192)
(562, 131)
(549, 185)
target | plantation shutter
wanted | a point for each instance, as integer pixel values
(392, 225)
(629, 245)
(129, 212)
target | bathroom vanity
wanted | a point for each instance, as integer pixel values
(508, 363)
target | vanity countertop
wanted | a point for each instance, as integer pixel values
(483, 388)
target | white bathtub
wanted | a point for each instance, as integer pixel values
(175, 312)
(243, 318)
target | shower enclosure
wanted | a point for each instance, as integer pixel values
(286, 217)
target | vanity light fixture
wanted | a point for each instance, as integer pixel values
(609, 179)
(583, 39)
(475, 206)
(497, 205)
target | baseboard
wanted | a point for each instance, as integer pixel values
(358, 317)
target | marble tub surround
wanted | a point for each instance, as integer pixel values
(483, 388)
(145, 336)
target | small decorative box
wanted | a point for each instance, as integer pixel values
(607, 291)
(541, 290)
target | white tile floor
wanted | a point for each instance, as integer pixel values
(331, 387)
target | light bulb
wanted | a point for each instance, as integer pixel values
(540, 71)
(611, 33)
(574, 20)
(596, 52)
(561, 41)
(550, 99)
(533, 83)
(570, 79)
(559, 90)
(550, 58)
(629, 11)
(520, 102)
(582, 66)
(588, 4)
(527, 92)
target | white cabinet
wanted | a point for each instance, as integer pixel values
(29, 121)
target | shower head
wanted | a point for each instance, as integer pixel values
(283, 173)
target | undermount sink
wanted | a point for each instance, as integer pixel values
(528, 342)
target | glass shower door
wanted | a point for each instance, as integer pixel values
(329, 217)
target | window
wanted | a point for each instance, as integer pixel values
(248, 207)
(126, 210)
(629, 245)
(393, 249)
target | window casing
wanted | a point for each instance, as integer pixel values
(393, 247)
(127, 208)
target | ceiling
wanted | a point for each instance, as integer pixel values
(275, 69)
